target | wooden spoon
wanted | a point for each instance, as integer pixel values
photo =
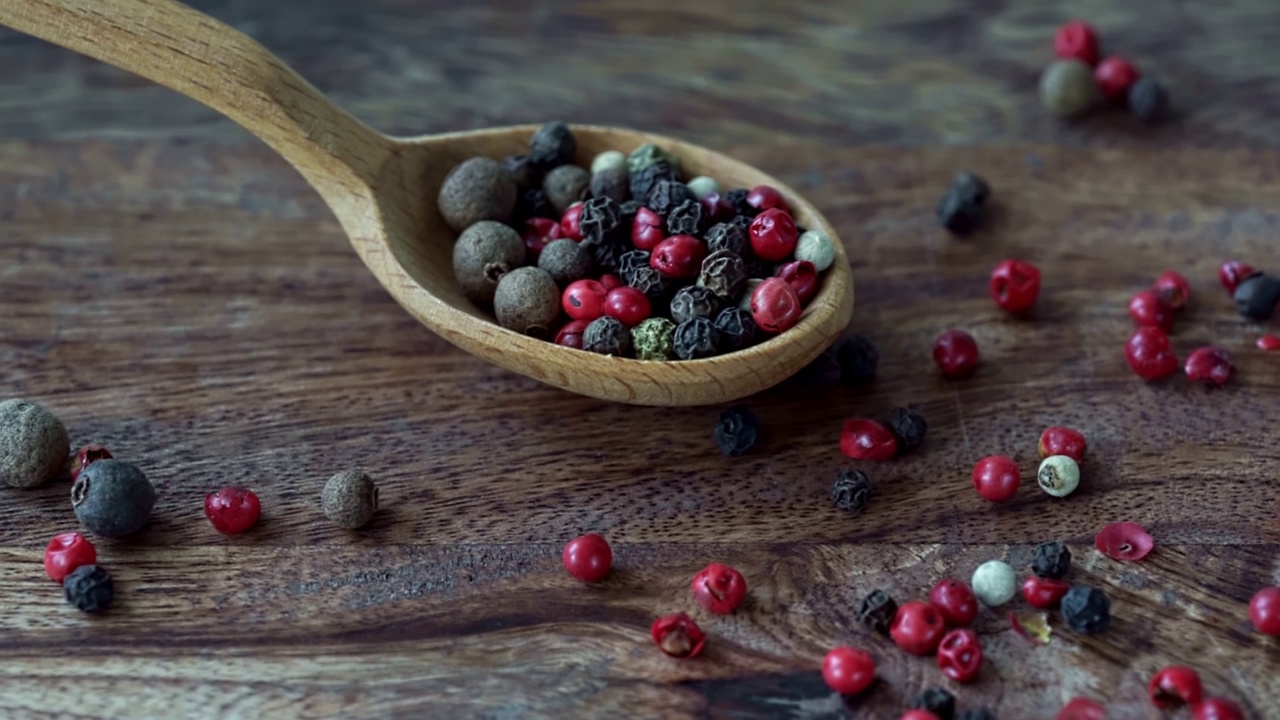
(383, 191)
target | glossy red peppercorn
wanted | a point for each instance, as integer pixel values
(647, 229)
(719, 588)
(678, 636)
(571, 222)
(773, 235)
(802, 276)
(1044, 593)
(1214, 708)
(1173, 290)
(1082, 709)
(584, 299)
(1076, 40)
(1059, 440)
(1115, 76)
(960, 655)
(232, 509)
(1264, 611)
(1232, 273)
(1175, 686)
(956, 601)
(864, 439)
(764, 197)
(1268, 343)
(775, 306)
(679, 256)
(628, 305)
(1147, 310)
(1210, 365)
(588, 558)
(86, 456)
(65, 553)
(996, 478)
(956, 353)
(1150, 355)
(610, 281)
(917, 628)
(571, 334)
(537, 233)
(1015, 285)
(716, 208)
(1124, 541)
(848, 671)
(918, 715)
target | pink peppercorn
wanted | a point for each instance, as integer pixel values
(628, 305)
(1076, 40)
(1210, 365)
(773, 235)
(864, 439)
(646, 229)
(764, 197)
(775, 306)
(1147, 310)
(1015, 285)
(232, 510)
(1173, 289)
(537, 233)
(1150, 355)
(956, 353)
(802, 276)
(571, 334)
(571, 222)
(679, 256)
(1232, 273)
(1115, 75)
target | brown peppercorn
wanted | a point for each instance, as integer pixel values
(566, 261)
(483, 254)
(33, 444)
(349, 499)
(478, 189)
(527, 301)
(724, 274)
(613, 183)
(565, 186)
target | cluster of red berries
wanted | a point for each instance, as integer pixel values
(997, 477)
(1115, 75)
(1170, 688)
(1014, 286)
(1150, 353)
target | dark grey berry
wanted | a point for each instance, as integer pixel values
(743, 221)
(976, 714)
(613, 183)
(737, 198)
(876, 611)
(632, 261)
(89, 589)
(1148, 100)
(1086, 610)
(477, 189)
(649, 281)
(737, 432)
(737, 329)
(1051, 560)
(607, 336)
(850, 490)
(692, 301)
(112, 498)
(565, 186)
(350, 499)
(523, 171)
(33, 444)
(937, 701)
(724, 274)
(552, 145)
(667, 195)
(532, 203)
(601, 222)
(727, 236)
(685, 219)
(1256, 297)
(909, 427)
(960, 209)
(642, 181)
(527, 301)
(483, 254)
(696, 338)
(566, 261)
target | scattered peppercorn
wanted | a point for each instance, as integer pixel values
(1175, 686)
(477, 189)
(937, 701)
(956, 354)
(908, 427)
(1148, 100)
(1068, 88)
(1051, 560)
(89, 589)
(865, 439)
(696, 338)
(960, 655)
(1115, 75)
(848, 671)
(851, 360)
(955, 600)
(113, 498)
(33, 444)
(850, 490)
(996, 478)
(232, 510)
(1015, 285)
(719, 589)
(527, 301)
(1147, 310)
(1082, 708)
(678, 635)
(1086, 610)
(976, 714)
(737, 329)
(483, 254)
(1173, 289)
(1268, 343)
(917, 628)
(1264, 611)
(349, 499)
(565, 261)
(1232, 273)
(1043, 593)
(654, 339)
(1216, 708)
(1059, 440)
(1058, 475)
(613, 183)
(86, 456)
(724, 274)
(1210, 365)
(877, 611)
(1150, 355)
(737, 431)
(607, 336)
(552, 145)
(1256, 296)
(994, 582)
(1126, 541)
(588, 558)
(1076, 40)
(918, 715)
(959, 209)
(66, 552)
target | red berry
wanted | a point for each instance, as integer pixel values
(918, 715)
(956, 354)
(1150, 355)
(719, 589)
(1044, 593)
(1124, 541)
(773, 235)
(1264, 611)
(1059, 440)
(775, 306)
(65, 553)
(1147, 310)
(1210, 365)
(864, 439)
(1015, 285)
(232, 509)
(584, 299)
(1076, 40)
(1267, 343)
(848, 671)
(571, 222)
(764, 197)
(571, 334)
(1214, 708)
(996, 478)
(960, 655)
(1173, 289)
(1082, 709)
(716, 208)
(86, 456)
(955, 601)
(1115, 75)
(537, 233)
(678, 635)
(610, 281)
(917, 628)
(628, 305)
(802, 276)
(679, 256)
(647, 229)
(1174, 686)
(1232, 273)
(588, 558)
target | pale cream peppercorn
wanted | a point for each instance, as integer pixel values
(994, 582)
(1059, 475)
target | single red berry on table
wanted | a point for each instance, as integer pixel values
(956, 353)
(1124, 541)
(537, 233)
(584, 299)
(1082, 709)
(628, 305)
(678, 635)
(1147, 310)
(1210, 365)
(1264, 611)
(716, 208)
(65, 553)
(802, 276)
(588, 558)
(571, 222)
(996, 478)
(917, 628)
(679, 256)
(773, 235)
(918, 715)
(1044, 593)
(1150, 355)
(719, 588)
(1015, 285)
(1173, 289)
(960, 655)
(848, 671)
(571, 334)
(1059, 440)
(232, 509)
(86, 456)
(1268, 343)
(775, 306)
(956, 601)
(1175, 686)
(1076, 40)
(1215, 708)
(1115, 76)
(647, 229)
(764, 197)
(864, 439)
(1232, 273)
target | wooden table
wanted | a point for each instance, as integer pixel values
(173, 290)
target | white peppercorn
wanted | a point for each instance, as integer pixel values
(33, 444)
(816, 247)
(608, 160)
(703, 186)
(994, 582)
(1059, 475)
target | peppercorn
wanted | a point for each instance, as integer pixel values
(1076, 39)
(994, 582)
(607, 336)
(850, 490)
(601, 222)
(693, 301)
(727, 236)
(960, 208)
(565, 186)
(775, 306)
(609, 160)
(937, 701)
(652, 283)
(848, 671)
(232, 510)
(571, 334)
(527, 301)
(696, 338)
(773, 235)
(747, 291)
(613, 183)
(628, 305)
(482, 256)
(1256, 297)
(113, 498)
(737, 198)
(632, 261)
(523, 171)
(802, 276)
(667, 195)
(1058, 475)
(66, 552)
(643, 182)
(1150, 355)
(877, 611)
(702, 186)
(89, 589)
(566, 261)
(33, 444)
(653, 339)
(744, 222)
(1068, 88)
(679, 257)
(477, 189)
(588, 558)
(532, 204)
(685, 218)
(86, 456)
(956, 354)
(1115, 75)
(1148, 100)
(724, 274)
(1051, 560)
(737, 329)
(976, 714)
(909, 427)
(552, 145)
(1086, 610)
(817, 248)
(1232, 272)
(648, 155)
(737, 431)
(571, 222)
(349, 499)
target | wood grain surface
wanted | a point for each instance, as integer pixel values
(182, 296)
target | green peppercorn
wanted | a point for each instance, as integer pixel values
(552, 145)
(703, 186)
(648, 154)
(33, 444)
(653, 339)
(349, 499)
(693, 301)
(527, 301)
(816, 247)
(112, 498)
(566, 261)
(565, 186)
(483, 254)
(613, 183)
(609, 160)
(477, 189)
(1067, 88)
(607, 336)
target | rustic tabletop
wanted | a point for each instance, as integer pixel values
(176, 292)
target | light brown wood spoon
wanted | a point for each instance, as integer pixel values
(383, 191)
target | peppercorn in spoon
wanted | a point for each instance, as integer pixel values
(382, 190)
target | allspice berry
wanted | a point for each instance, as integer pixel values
(478, 189)
(483, 254)
(349, 499)
(33, 444)
(565, 186)
(565, 260)
(113, 498)
(1068, 88)
(613, 183)
(527, 301)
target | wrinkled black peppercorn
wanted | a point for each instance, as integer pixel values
(877, 610)
(607, 254)
(1256, 296)
(852, 360)
(89, 589)
(976, 714)
(737, 431)
(642, 182)
(850, 490)
(960, 209)
(742, 221)
(909, 427)
(607, 336)
(737, 329)
(531, 204)
(526, 174)
(1051, 560)
(629, 210)
(1148, 100)
(601, 222)
(737, 199)
(696, 338)
(652, 283)
(667, 195)
(552, 145)
(724, 274)
(727, 236)
(685, 219)
(1086, 610)
(692, 301)
(937, 701)
(630, 262)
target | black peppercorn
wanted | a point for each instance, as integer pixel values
(976, 714)
(851, 360)
(1051, 560)
(1148, 100)
(850, 490)
(1085, 610)
(937, 701)
(877, 610)
(607, 336)
(601, 222)
(727, 236)
(742, 221)
(628, 210)
(960, 209)
(685, 219)
(613, 183)
(667, 195)
(632, 261)
(606, 254)
(523, 171)
(652, 283)
(531, 204)
(737, 199)
(909, 427)
(696, 338)
(643, 181)
(89, 589)
(1256, 296)
(737, 431)
(737, 329)
(692, 301)
(552, 145)
(724, 274)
